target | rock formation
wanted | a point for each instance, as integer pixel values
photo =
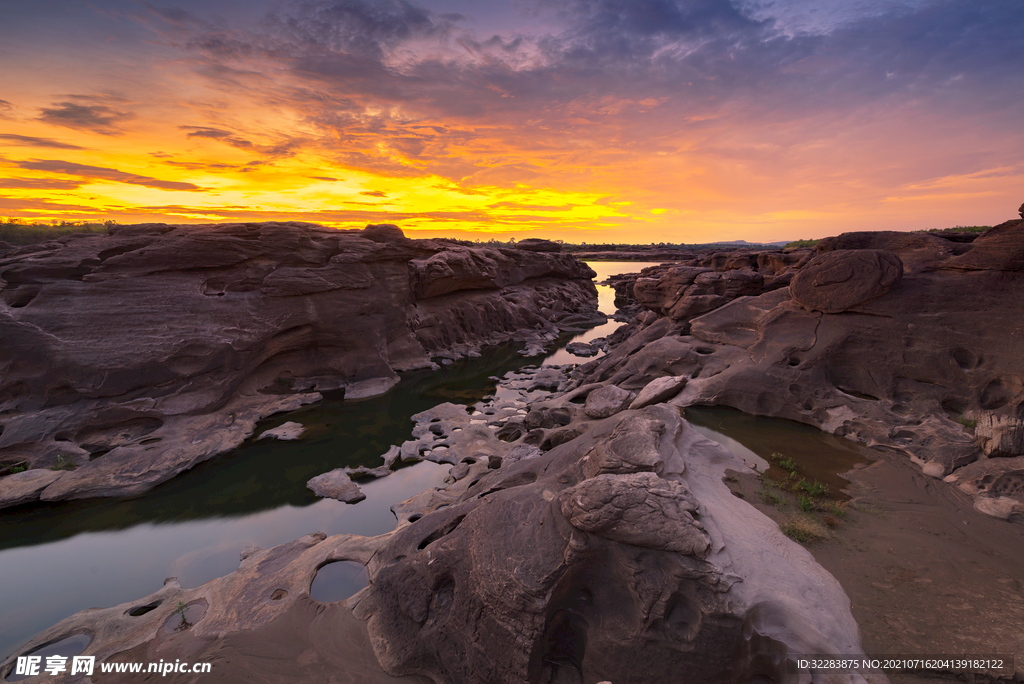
(906, 340)
(130, 357)
(619, 555)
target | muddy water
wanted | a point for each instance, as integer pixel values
(779, 447)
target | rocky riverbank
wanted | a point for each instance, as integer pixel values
(579, 539)
(912, 341)
(587, 532)
(130, 357)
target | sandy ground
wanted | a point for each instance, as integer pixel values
(926, 574)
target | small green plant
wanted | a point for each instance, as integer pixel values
(11, 468)
(64, 463)
(969, 423)
(181, 610)
(785, 463)
(805, 503)
(814, 489)
(837, 509)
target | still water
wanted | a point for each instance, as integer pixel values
(60, 558)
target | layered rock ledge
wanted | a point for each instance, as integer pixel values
(912, 341)
(127, 358)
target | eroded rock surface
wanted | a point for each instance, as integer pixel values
(905, 340)
(137, 354)
(533, 565)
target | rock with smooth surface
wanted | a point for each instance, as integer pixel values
(607, 401)
(336, 484)
(285, 432)
(658, 390)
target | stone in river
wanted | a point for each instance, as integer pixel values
(336, 484)
(285, 432)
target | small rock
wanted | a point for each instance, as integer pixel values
(581, 349)
(285, 432)
(336, 485)
(607, 401)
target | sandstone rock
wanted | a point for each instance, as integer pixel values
(607, 401)
(838, 281)
(26, 486)
(996, 485)
(336, 485)
(640, 509)
(658, 390)
(286, 432)
(159, 346)
(531, 568)
(581, 349)
(854, 349)
(537, 575)
(1000, 435)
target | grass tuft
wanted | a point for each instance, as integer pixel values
(804, 530)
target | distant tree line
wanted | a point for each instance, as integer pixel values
(14, 231)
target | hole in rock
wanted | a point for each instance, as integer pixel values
(857, 393)
(509, 435)
(953, 405)
(794, 361)
(995, 395)
(704, 350)
(683, 616)
(20, 297)
(517, 480)
(965, 358)
(150, 440)
(142, 610)
(185, 617)
(68, 647)
(414, 518)
(338, 580)
(278, 594)
(564, 645)
(442, 531)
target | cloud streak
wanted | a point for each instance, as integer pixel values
(101, 173)
(32, 141)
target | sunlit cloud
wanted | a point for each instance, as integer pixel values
(644, 120)
(100, 173)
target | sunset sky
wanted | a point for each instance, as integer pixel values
(603, 120)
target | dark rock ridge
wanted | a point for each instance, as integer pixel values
(137, 354)
(906, 340)
(618, 555)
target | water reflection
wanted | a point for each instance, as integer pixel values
(819, 455)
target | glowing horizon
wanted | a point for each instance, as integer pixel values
(596, 121)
